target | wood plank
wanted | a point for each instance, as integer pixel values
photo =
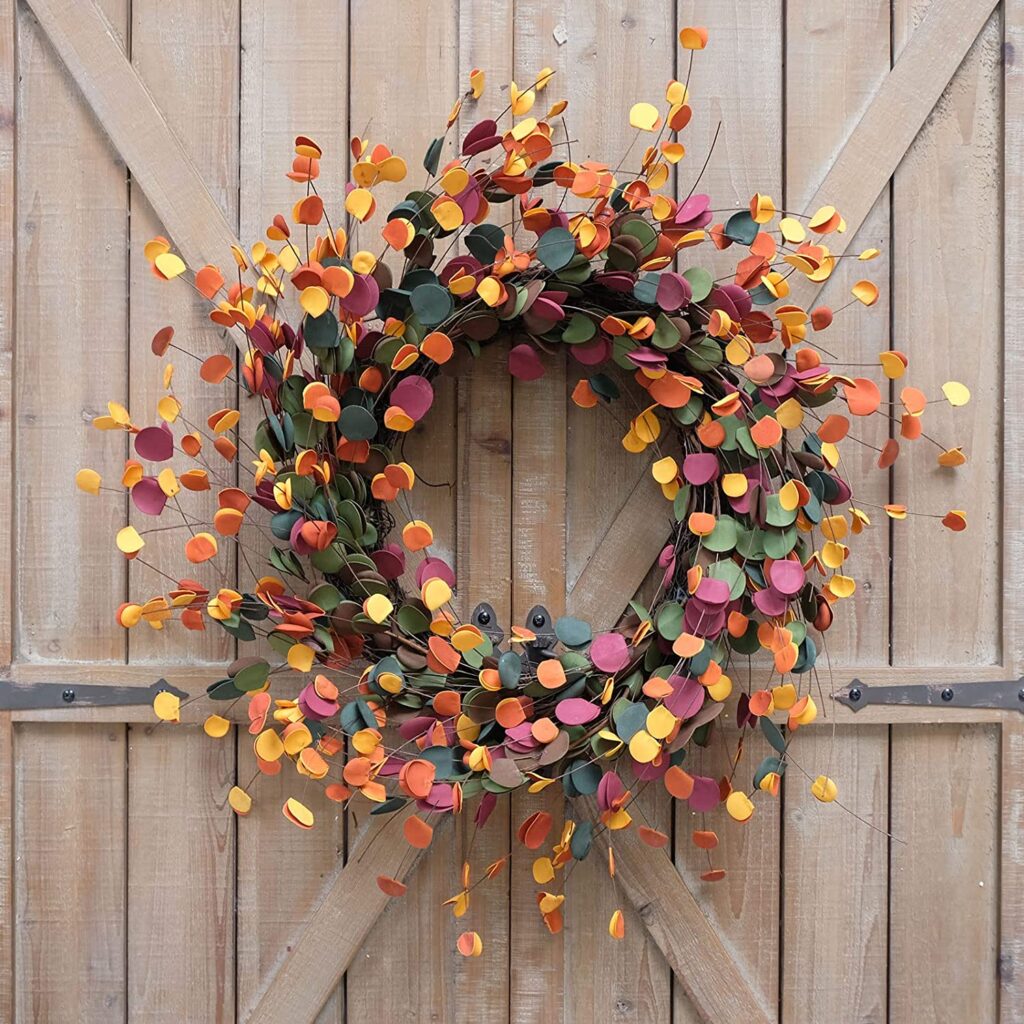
(202, 112)
(943, 883)
(69, 879)
(61, 209)
(1013, 323)
(485, 506)
(702, 959)
(8, 230)
(1011, 872)
(944, 875)
(8, 80)
(564, 458)
(959, 151)
(1011, 864)
(194, 677)
(925, 62)
(841, 925)
(92, 53)
(179, 824)
(192, 680)
(282, 97)
(7, 910)
(465, 443)
(347, 909)
(181, 875)
(745, 906)
(835, 939)
(69, 786)
(539, 977)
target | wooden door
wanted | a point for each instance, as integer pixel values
(129, 891)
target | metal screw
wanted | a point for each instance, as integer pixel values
(855, 694)
(483, 618)
(539, 620)
(68, 695)
(1020, 695)
(947, 694)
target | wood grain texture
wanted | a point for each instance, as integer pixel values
(8, 228)
(181, 876)
(571, 478)
(745, 905)
(181, 833)
(702, 959)
(1011, 882)
(836, 885)
(69, 879)
(539, 974)
(951, 827)
(8, 231)
(61, 209)
(7, 908)
(958, 154)
(1013, 324)
(843, 925)
(87, 41)
(923, 66)
(1011, 872)
(68, 925)
(346, 910)
(201, 110)
(463, 464)
(944, 876)
(282, 97)
(583, 975)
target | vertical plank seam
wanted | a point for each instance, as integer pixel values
(780, 941)
(235, 731)
(9, 540)
(126, 973)
(890, 566)
(510, 874)
(673, 817)
(1010, 739)
(346, 822)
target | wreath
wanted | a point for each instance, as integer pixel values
(510, 243)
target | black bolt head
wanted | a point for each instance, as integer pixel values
(484, 618)
(947, 694)
(539, 620)
(68, 695)
(855, 694)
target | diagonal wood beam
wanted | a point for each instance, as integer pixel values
(867, 161)
(351, 903)
(699, 958)
(343, 916)
(893, 118)
(126, 110)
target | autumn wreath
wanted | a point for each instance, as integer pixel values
(340, 351)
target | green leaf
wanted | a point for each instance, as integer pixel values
(773, 734)
(556, 248)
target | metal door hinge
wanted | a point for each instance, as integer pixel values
(42, 696)
(1006, 695)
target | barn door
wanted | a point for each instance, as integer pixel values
(126, 887)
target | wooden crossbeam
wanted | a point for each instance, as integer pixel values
(874, 149)
(343, 916)
(699, 958)
(159, 164)
(126, 110)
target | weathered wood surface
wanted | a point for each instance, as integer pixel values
(154, 900)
